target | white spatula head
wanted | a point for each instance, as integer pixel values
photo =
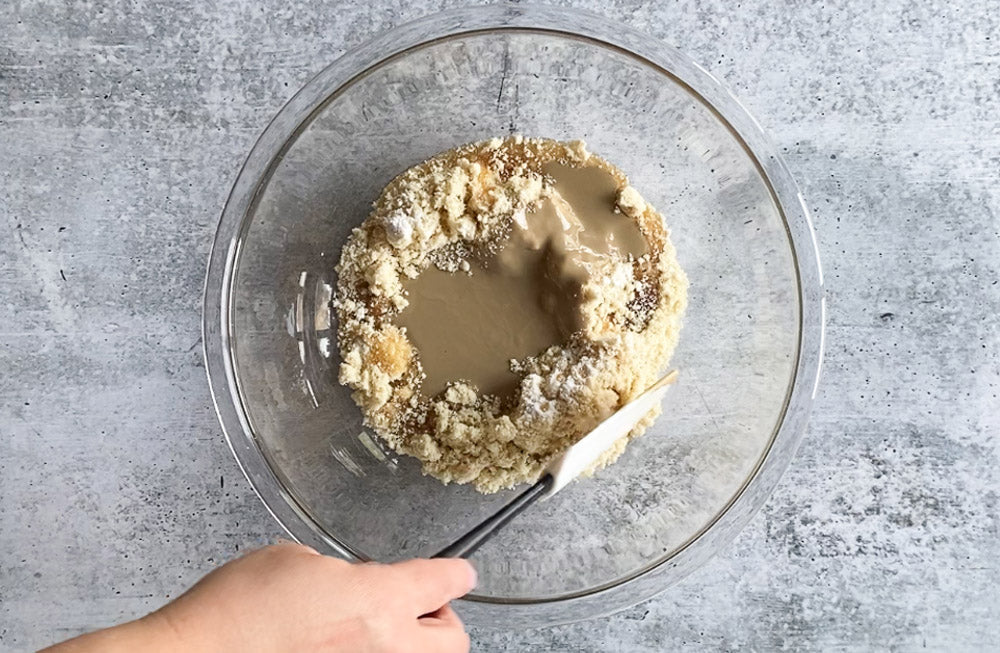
(578, 458)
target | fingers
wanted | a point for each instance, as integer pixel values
(443, 616)
(442, 632)
(430, 584)
(438, 639)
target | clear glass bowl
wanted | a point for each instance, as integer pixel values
(749, 353)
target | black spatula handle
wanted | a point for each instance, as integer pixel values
(466, 545)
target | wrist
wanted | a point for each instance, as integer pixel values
(153, 633)
(182, 630)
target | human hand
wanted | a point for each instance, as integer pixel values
(287, 597)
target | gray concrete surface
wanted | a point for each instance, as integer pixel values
(122, 126)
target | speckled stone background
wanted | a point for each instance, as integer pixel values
(122, 126)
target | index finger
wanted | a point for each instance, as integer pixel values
(430, 584)
(442, 634)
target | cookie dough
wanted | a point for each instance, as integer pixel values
(501, 299)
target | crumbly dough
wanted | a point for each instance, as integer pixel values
(436, 213)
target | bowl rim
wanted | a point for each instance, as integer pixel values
(298, 112)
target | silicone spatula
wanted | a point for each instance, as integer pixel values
(565, 467)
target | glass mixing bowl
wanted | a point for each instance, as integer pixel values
(749, 354)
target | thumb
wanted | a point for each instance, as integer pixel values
(429, 584)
